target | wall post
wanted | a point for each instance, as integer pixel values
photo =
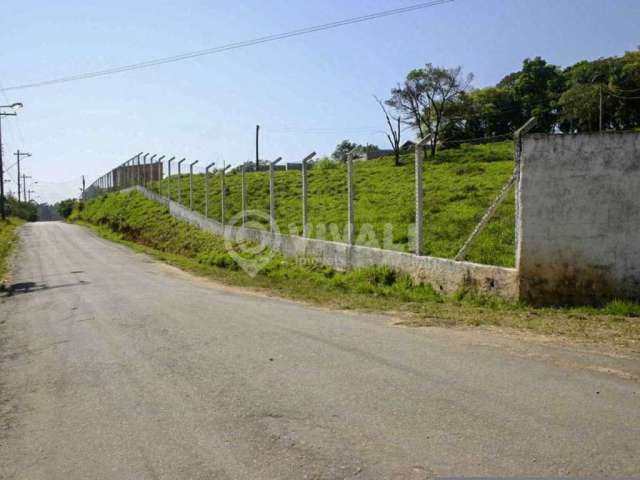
(158, 169)
(350, 196)
(243, 194)
(206, 188)
(222, 193)
(305, 195)
(419, 167)
(138, 171)
(272, 194)
(169, 177)
(191, 184)
(180, 181)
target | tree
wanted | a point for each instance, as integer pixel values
(65, 207)
(426, 96)
(580, 108)
(394, 132)
(442, 87)
(538, 88)
(342, 149)
(409, 100)
(25, 210)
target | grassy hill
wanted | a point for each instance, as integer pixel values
(458, 187)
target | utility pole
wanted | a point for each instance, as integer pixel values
(18, 155)
(13, 106)
(24, 185)
(257, 147)
(83, 187)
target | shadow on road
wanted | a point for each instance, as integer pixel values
(32, 287)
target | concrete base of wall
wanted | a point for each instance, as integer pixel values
(446, 276)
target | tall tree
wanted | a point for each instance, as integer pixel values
(538, 88)
(425, 97)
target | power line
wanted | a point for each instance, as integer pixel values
(622, 90)
(622, 97)
(230, 46)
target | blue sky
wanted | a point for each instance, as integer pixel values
(307, 93)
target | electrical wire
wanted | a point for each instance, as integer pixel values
(230, 46)
(621, 90)
(622, 97)
(479, 139)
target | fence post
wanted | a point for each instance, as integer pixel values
(517, 137)
(222, 189)
(180, 181)
(191, 184)
(138, 171)
(147, 177)
(169, 177)
(272, 194)
(419, 167)
(158, 169)
(305, 194)
(206, 189)
(350, 196)
(144, 170)
(243, 194)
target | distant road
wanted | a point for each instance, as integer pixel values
(115, 366)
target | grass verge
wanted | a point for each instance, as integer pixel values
(8, 240)
(148, 227)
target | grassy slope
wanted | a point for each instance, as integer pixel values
(7, 241)
(130, 218)
(458, 189)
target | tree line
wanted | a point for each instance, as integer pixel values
(441, 103)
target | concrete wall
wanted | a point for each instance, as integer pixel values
(579, 218)
(444, 275)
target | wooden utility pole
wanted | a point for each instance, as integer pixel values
(19, 155)
(24, 186)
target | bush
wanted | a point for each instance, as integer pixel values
(25, 210)
(326, 164)
(65, 207)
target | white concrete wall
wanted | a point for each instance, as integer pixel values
(444, 275)
(579, 218)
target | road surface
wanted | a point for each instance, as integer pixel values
(115, 366)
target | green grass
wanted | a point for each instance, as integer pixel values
(131, 217)
(8, 240)
(458, 187)
(148, 227)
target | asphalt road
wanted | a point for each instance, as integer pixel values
(115, 366)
